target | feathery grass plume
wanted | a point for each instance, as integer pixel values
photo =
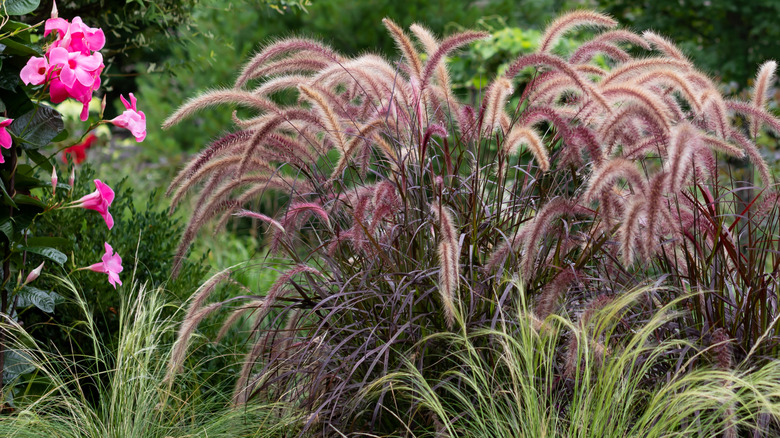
(671, 78)
(225, 143)
(235, 316)
(260, 216)
(640, 97)
(615, 36)
(519, 135)
(496, 98)
(611, 128)
(188, 326)
(683, 143)
(639, 66)
(558, 286)
(603, 177)
(764, 79)
(587, 51)
(665, 46)
(537, 59)
(333, 127)
(715, 112)
(364, 136)
(654, 208)
(219, 97)
(277, 48)
(296, 209)
(449, 266)
(223, 164)
(629, 229)
(301, 63)
(280, 83)
(538, 226)
(431, 44)
(449, 44)
(569, 21)
(751, 150)
(406, 47)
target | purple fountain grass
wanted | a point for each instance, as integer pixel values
(421, 210)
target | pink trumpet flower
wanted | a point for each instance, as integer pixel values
(5, 137)
(132, 119)
(99, 200)
(111, 265)
(76, 66)
(36, 71)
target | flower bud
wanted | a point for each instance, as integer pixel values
(54, 12)
(35, 273)
(53, 180)
(72, 179)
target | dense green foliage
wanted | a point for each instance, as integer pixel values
(145, 238)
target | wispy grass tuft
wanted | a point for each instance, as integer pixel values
(133, 400)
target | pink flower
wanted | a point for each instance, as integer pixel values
(132, 119)
(99, 200)
(111, 265)
(75, 36)
(5, 137)
(76, 66)
(35, 71)
(59, 92)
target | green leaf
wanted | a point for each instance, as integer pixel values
(32, 296)
(21, 7)
(7, 228)
(6, 197)
(28, 200)
(14, 46)
(39, 159)
(38, 127)
(61, 136)
(50, 253)
(16, 363)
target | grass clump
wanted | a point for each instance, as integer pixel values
(119, 391)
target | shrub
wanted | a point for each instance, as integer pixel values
(407, 210)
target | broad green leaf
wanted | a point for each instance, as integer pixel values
(40, 160)
(15, 46)
(32, 296)
(21, 7)
(7, 228)
(38, 127)
(16, 363)
(50, 253)
(6, 197)
(28, 200)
